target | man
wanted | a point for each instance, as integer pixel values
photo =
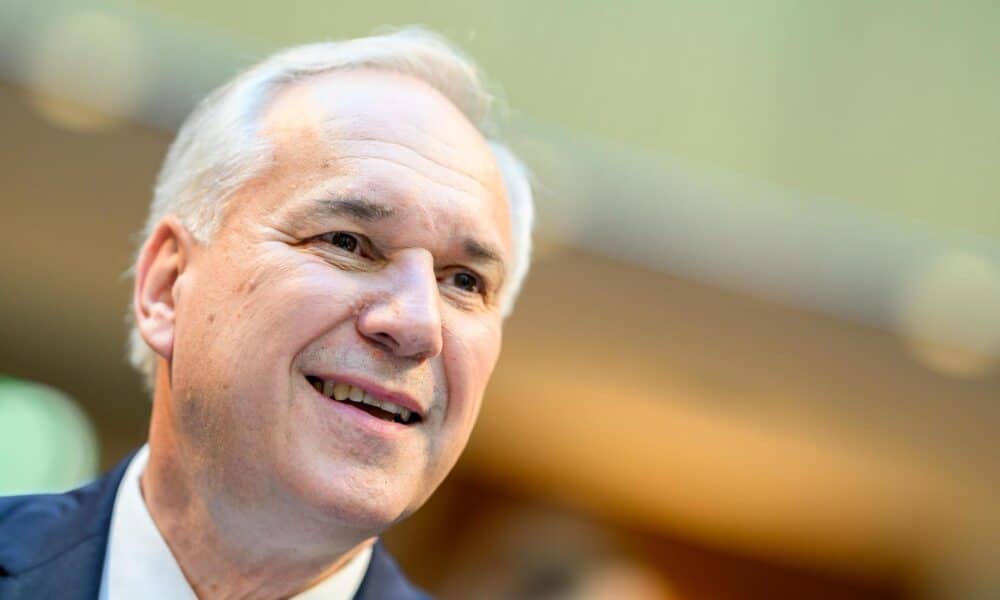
(331, 250)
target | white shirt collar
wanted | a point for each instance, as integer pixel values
(139, 564)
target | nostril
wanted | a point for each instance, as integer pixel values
(385, 339)
(400, 326)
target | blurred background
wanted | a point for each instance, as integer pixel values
(758, 355)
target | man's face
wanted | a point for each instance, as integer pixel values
(370, 254)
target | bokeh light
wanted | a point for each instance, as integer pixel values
(950, 314)
(46, 442)
(86, 71)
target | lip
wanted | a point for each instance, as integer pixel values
(363, 421)
(382, 393)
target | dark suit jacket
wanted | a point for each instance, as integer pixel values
(53, 545)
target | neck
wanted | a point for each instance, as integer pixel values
(224, 550)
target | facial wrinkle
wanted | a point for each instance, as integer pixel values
(420, 156)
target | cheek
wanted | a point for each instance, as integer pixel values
(472, 346)
(246, 323)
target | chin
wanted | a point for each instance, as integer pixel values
(369, 513)
(365, 499)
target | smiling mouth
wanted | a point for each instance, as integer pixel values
(362, 400)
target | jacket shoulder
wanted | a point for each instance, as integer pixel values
(36, 528)
(30, 523)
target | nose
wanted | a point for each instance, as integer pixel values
(405, 315)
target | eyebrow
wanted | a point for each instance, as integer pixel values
(358, 209)
(370, 211)
(481, 252)
(363, 209)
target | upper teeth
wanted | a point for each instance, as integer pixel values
(344, 391)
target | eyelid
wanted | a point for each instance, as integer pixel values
(485, 287)
(366, 249)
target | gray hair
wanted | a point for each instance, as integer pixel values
(218, 147)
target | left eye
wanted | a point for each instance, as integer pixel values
(466, 281)
(345, 241)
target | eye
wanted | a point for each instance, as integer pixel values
(467, 281)
(347, 242)
(344, 240)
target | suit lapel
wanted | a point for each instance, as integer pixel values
(52, 546)
(385, 581)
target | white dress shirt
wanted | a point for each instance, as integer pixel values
(139, 564)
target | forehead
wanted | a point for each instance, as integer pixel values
(367, 132)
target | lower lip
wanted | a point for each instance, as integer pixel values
(361, 419)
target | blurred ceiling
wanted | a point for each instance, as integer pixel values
(764, 306)
(889, 105)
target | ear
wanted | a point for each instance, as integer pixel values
(162, 260)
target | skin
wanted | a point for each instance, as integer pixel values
(260, 485)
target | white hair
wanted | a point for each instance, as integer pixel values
(219, 147)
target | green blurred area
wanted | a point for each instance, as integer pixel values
(46, 442)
